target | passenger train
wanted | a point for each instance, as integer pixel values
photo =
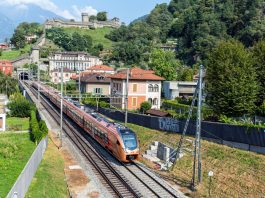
(119, 140)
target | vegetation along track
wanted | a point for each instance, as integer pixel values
(144, 179)
(116, 185)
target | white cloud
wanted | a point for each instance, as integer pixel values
(75, 13)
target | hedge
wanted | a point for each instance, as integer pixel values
(39, 130)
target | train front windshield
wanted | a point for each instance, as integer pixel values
(129, 140)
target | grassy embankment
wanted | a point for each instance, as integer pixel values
(15, 151)
(237, 173)
(20, 124)
(49, 180)
(13, 54)
(98, 35)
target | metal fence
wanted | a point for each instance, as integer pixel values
(22, 184)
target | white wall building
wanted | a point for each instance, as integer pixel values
(173, 89)
(56, 75)
(73, 61)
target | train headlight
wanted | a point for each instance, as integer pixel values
(127, 150)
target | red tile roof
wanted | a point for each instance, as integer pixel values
(5, 63)
(101, 67)
(137, 74)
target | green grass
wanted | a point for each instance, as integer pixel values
(17, 124)
(49, 180)
(98, 35)
(237, 173)
(9, 55)
(15, 151)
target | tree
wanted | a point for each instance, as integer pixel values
(259, 60)
(102, 16)
(19, 106)
(92, 18)
(164, 64)
(145, 106)
(231, 84)
(18, 39)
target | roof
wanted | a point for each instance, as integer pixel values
(101, 67)
(137, 74)
(95, 78)
(5, 63)
(65, 70)
(157, 113)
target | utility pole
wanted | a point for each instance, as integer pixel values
(126, 97)
(38, 83)
(197, 148)
(61, 110)
(79, 86)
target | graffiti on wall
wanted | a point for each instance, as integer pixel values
(169, 124)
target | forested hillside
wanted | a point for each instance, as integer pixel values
(197, 25)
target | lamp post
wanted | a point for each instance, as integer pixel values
(210, 175)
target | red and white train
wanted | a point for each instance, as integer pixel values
(119, 140)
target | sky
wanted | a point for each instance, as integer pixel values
(126, 10)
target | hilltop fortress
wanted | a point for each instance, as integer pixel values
(85, 23)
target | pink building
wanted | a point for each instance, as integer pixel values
(144, 85)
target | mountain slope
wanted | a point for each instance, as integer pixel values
(6, 27)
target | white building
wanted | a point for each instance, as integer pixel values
(173, 89)
(73, 61)
(3, 110)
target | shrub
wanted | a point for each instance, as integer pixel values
(34, 125)
(43, 128)
(145, 106)
(19, 106)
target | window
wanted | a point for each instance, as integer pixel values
(66, 75)
(150, 88)
(156, 88)
(134, 87)
(150, 100)
(155, 101)
(98, 90)
(134, 102)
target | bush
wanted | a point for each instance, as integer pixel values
(34, 125)
(19, 106)
(43, 128)
(39, 130)
(145, 106)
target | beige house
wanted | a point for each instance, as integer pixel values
(95, 83)
(55, 75)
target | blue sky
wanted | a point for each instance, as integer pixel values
(126, 10)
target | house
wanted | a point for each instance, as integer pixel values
(173, 89)
(143, 85)
(95, 83)
(30, 38)
(73, 60)
(6, 67)
(100, 69)
(4, 46)
(56, 75)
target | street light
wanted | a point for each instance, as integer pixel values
(210, 175)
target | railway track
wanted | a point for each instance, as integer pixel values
(116, 185)
(134, 181)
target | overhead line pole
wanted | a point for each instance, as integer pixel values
(61, 110)
(126, 97)
(197, 148)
